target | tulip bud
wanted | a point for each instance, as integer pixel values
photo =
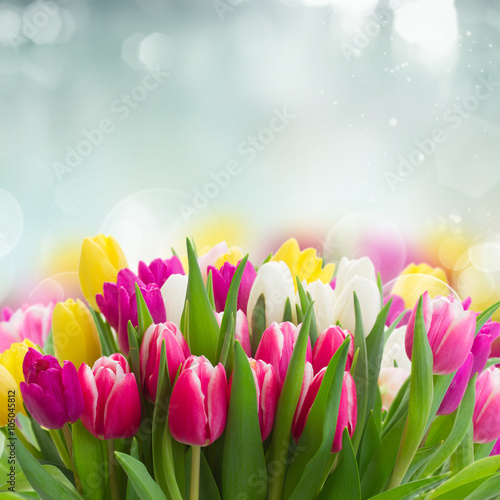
(348, 409)
(326, 346)
(10, 401)
(348, 269)
(450, 331)
(150, 355)
(486, 417)
(100, 260)
(51, 394)
(275, 282)
(276, 347)
(241, 333)
(458, 386)
(323, 296)
(31, 322)
(390, 381)
(484, 345)
(75, 334)
(173, 293)
(112, 402)
(12, 360)
(198, 407)
(221, 280)
(267, 388)
(160, 270)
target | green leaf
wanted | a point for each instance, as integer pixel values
(381, 464)
(163, 463)
(483, 450)
(258, 322)
(287, 315)
(491, 362)
(464, 454)
(287, 404)
(133, 354)
(208, 486)
(398, 407)
(369, 443)
(344, 481)
(420, 460)
(305, 302)
(41, 479)
(267, 259)
(305, 473)
(485, 316)
(45, 443)
(138, 475)
(226, 355)
(243, 433)
(421, 395)
(90, 456)
(477, 470)
(489, 489)
(408, 491)
(210, 290)
(108, 341)
(144, 318)
(203, 328)
(458, 432)
(360, 374)
(441, 384)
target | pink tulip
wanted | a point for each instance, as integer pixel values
(458, 386)
(306, 383)
(450, 331)
(276, 347)
(326, 346)
(241, 333)
(267, 387)
(112, 402)
(31, 322)
(159, 270)
(51, 394)
(150, 355)
(348, 409)
(198, 406)
(486, 417)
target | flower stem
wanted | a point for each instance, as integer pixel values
(61, 448)
(69, 443)
(194, 492)
(113, 481)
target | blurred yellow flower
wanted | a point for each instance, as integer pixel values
(12, 361)
(100, 260)
(414, 280)
(74, 334)
(304, 264)
(10, 397)
(233, 256)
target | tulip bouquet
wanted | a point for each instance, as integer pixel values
(206, 377)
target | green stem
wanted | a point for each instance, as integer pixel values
(194, 492)
(113, 480)
(69, 442)
(61, 448)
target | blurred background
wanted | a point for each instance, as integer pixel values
(360, 127)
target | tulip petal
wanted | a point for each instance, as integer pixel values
(44, 408)
(90, 397)
(217, 403)
(72, 392)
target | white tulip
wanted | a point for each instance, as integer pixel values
(274, 280)
(394, 350)
(369, 301)
(323, 297)
(173, 292)
(209, 258)
(357, 267)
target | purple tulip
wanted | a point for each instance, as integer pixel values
(486, 417)
(52, 395)
(457, 388)
(483, 345)
(397, 307)
(119, 306)
(160, 270)
(221, 280)
(450, 331)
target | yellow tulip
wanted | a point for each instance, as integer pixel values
(304, 264)
(415, 280)
(100, 260)
(75, 334)
(233, 256)
(10, 397)
(11, 360)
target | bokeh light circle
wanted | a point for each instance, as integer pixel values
(11, 222)
(454, 253)
(484, 252)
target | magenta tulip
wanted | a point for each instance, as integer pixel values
(267, 388)
(198, 407)
(52, 395)
(276, 347)
(456, 391)
(159, 270)
(241, 333)
(486, 417)
(221, 280)
(326, 346)
(450, 331)
(150, 355)
(112, 402)
(397, 307)
(348, 409)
